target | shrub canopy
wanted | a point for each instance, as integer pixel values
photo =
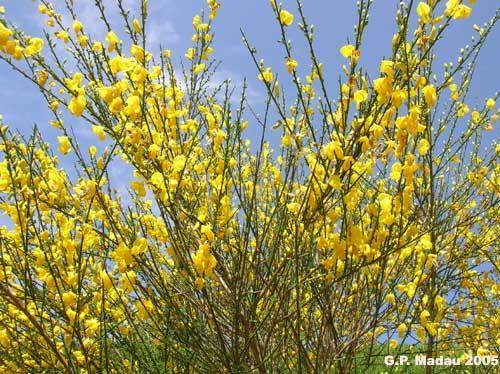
(370, 228)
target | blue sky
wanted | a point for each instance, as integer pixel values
(170, 25)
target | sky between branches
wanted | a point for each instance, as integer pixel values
(170, 26)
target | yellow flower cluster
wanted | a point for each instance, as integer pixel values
(369, 214)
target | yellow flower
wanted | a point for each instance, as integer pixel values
(490, 103)
(137, 52)
(91, 326)
(383, 87)
(153, 151)
(71, 314)
(137, 26)
(377, 131)
(97, 47)
(140, 246)
(451, 6)
(63, 35)
(138, 187)
(347, 50)
(390, 298)
(196, 21)
(4, 338)
(424, 12)
(204, 261)
(128, 281)
(396, 171)
(144, 309)
(198, 68)
(386, 67)
(54, 104)
(74, 83)
(476, 117)
(430, 95)
(423, 146)
(420, 332)
(203, 27)
(199, 282)
(293, 207)
(83, 40)
(439, 302)
(402, 329)
(398, 97)
(333, 150)
(190, 54)
(179, 163)
(42, 77)
(64, 144)
(393, 343)
(266, 75)
(286, 141)
(133, 107)
(106, 280)
(424, 315)
(112, 40)
(35, 46)
(5, 33)
(291, 64)
(425, 242)
(77, 26)
(286, 18)
(119, 63)
(410, 289)
(99, 131)
(456, 10)
(335, 182)
(69, 299)
(462, 12)
(360, 96)
(77, 104)
(276, 89)
(207, 231)
(385, 201)
(116, 105)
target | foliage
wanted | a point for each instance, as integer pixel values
(372, 227)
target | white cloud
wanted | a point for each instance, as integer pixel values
(159, 29)
(163, 34)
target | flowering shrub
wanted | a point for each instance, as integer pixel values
(372, 227)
